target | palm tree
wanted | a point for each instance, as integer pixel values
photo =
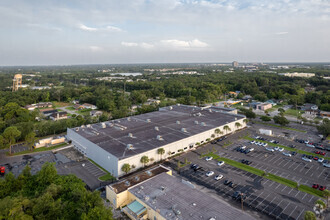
(226, 128)
(161, 151)
(245, 120)
(238, 125)
(326, 194)
(212, 135)
(218, 131)
(144, 160)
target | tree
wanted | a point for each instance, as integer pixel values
(245, 120)
(281, 120)
(281, 111)
(30, 139)
(326, 194)
(144, 160)
(265, 118)
(309, 215)
(218, 131)
(10, 135)
(226, 128)
(238, 125)
(126, 168)
(161, 151)
(324, 128)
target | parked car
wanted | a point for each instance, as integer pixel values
(320, 160)
(276, 148)
(270, 149)
(220, 163)
(326, 165)
(208, 158)
(192, 166)
(315, 186)
(322, 188)
(209, 173)
(316, 158)
(218, 177)
(310, 145)
(280, 149)
(253, 142)
(322, 153)
(238, 195)
(264, 144)
(306, 159)
(292, 146)
(213, 142)
(227, 182)
(293, 153)
(232, 185)
(287, 154)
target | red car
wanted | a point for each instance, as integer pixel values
(322, 153)
(317, 152)
(315, 158)
(2, 170)
(315, 186)
(322, 188)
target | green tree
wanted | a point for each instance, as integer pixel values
(217, 131)
(30, 138)
(144, 160)
(10, 135)
(324, 128)
(126, 168)
(161, 151)
(309, 215)
(265, 118)
(226, 128)
(281, 120)
(326, 194)
(238, 125)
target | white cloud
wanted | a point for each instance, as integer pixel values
(93, 29)
(146, 45)
(281, 33)
(184, 44)
(129, 44)
(95, 48)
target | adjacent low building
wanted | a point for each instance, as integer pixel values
(173, 129)
(156, 194)
(58, 116)
(295, 74)
(264, 106)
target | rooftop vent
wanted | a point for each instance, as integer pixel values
(127, 183)
(88, 126)
(146, 198)
(130, 146)
(159, 137)
(210, 110)
(196, 122)
(178, 122)
(103, 125)
(163, 188)
(149, 173)
(193, 204)
(148, 120)
(203, 124)
(235, 119)
(77, 129)
(130, 135)
(137, 178)
(128, 119)
(157, 128)
(178, 104)
(183, 129)
(199, 114)
(141, 187)
(170, 107)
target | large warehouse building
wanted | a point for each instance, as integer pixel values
(175, 129)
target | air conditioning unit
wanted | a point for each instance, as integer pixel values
(183, 129)
(157, 128)
(178, 122)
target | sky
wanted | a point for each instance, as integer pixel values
(62, 32)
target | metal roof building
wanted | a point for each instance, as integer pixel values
(175, 129)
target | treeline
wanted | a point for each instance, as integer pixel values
(48, 195)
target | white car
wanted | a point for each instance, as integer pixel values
(272, 141)
(306, 159)
(220, 163)
(264, 144)
(251, 149)
(270, 149)
(257, 137)
(320, 160)
(280, 149)
(253, 142)
(208, 158)
(243, 147)
(210, 173)
(310, 145)
(276, 148)
(218, 177)
(287, 154)
(326, 165)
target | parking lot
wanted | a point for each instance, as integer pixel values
(273, 199)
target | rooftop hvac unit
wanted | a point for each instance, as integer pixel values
(210, 110)
(178, 122)
(235, 119)
(203, 124)
(129, 146)
(88, 126)
(178, 104)
(170, 107)
(149, 173)
(146, 198)
(157, 128)
(159, 138)
(77, 129)
(148, 120)
(130, 135)
(103, 125)
(127, 183)
(128, 119)
(137, 178)
(196, 122)
(183, 129)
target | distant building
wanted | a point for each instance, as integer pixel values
(247, 98)
(308, 106)
(95, 113)
(40, 87)
(89, 106)
(156, 194)
(325, 114)
(58, 116)
(49, 141)
(295, 74)
(263, 106)
(271, 102)
(39, 105)
(47, 112)
(234, 64)
(17, 82)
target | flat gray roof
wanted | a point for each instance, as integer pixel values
(171, 123)
(176, 200)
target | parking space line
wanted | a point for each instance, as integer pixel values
(271, 183)
(280, 163)
(303, 168)
(285, 208)
(286, 163)
(321, 173)
(262, 200)
(291, 212)
(310, 199)
(277, 186)
(269, 203)
(257, 196)
(291, 165)
(300, 213)
(290, 191)
(276, 207)
(297, 193)
(284, 188)
(296, 167)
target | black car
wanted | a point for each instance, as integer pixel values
(243, 161)
(198, 168)
(236, 195)
(232, 185)
(293, 153)
(248, 162)
(193, 166)
(213, 142)
(309, 156)
(238, 149)
(227, 182)
(292, 146)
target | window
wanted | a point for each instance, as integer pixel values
(173, 153)
(185, 148)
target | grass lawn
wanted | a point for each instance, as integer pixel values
(105, 177)
(61, 104)
(281, 180)
(40, 149)
(70, 108)
(310, 190)
(279, 126)
(84, 112)
(287, 148)
(293, 112)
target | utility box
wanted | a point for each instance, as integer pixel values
(266, 132)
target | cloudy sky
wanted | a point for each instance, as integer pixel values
(51, 32)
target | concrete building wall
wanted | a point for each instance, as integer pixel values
(173, 148)
(94, 152)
